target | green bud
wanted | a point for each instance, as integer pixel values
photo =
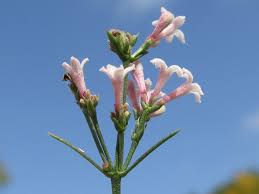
(121, 42)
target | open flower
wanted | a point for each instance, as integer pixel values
(164, 74)
(117, 75)
(76, 74)
(187, 88)
(167, 26)
(156, 96)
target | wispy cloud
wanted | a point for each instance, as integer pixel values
(251, 121)
(137, 6)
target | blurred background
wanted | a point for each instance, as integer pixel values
(217, 149)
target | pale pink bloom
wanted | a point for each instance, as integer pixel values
(167, 26)
(117, 75)
(164, 74)
(138, 75)
(187, 88)
(172, 30)
(134, 96)
(75, 71)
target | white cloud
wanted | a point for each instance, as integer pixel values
(138, 7)
(251, 121)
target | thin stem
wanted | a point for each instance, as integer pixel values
(120, 135)
(133, 147)
(78, 150)
(101, 139)
(116, 185)
(94, 134)
(142, 50)
(121, 149)
(125, 86)
(141, 158)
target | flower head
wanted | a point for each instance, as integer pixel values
(117, 75)
(167, 26)
(76, 74)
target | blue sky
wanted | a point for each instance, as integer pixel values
(219, 137)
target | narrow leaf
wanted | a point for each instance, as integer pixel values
(153, 148)
(78, 150)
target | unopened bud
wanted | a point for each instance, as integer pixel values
(121, 42)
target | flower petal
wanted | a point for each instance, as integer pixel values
(179, 21)
(180, 36)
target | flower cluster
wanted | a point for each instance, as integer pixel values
(128, 80)
(155, 96)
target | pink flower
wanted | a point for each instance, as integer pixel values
(76, 74)
(187, 88)
(167, 26)
(164, 74)
(117, 75)
(134, 96)
(138, 75)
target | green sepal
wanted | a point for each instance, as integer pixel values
(134, 40)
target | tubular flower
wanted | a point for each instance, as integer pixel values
(156, 96)
(76, 74)
(167, 26)
(187, 88)
(117, 75)
(133, 95)
(164, 74)
(138, 75)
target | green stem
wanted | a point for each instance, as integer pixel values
(116, 185)
(94, 134)
(121, 149)
(141, 158)
(120, 135)
(133, 147)
(101, 139)
(125, 87)
(142, 50)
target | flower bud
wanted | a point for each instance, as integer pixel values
(121, 43)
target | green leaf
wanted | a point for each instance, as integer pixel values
(76, 149)
(149, 151)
